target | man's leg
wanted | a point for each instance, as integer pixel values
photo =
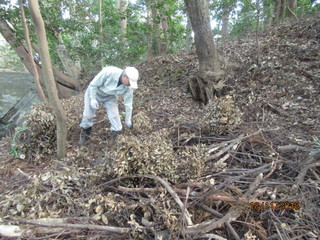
(87, 119)
(111, 105)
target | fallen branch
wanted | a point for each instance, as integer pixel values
(77, 226)
(18, 231)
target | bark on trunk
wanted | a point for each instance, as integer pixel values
(225, 23)
(156, 29)
(122, 6)
(189, 38)
(210, 74)
(69, 66)
(33, 64)
(150, 34)
(163, 32)
(100, 32)
(49, 78)
(157, 44)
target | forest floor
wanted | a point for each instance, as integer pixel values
(245, 166)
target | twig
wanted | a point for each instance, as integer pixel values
(213, 224)
(291, 147)
(308, 164)
(273, 168)
(228, 145)
(315, 174)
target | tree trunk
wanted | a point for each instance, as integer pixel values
(150, 32)
(49, 78)
(189, 38)
(164, 26)
(33, 64)
(122, 6)
(210, 75)
(283, 9)
(100, 32)
(225, 23)
(266, 14)
(156, 44)
(69, 66)
(277, 12)
(23, 54)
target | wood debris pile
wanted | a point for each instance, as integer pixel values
(246, 166)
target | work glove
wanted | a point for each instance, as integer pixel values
(129, 124)
(94, 103)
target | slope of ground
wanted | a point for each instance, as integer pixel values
(246, 166)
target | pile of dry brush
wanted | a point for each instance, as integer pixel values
(245, 166)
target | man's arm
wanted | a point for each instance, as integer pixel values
(98, 81)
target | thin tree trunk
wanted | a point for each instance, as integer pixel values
(33, 65)
(283, 9)
(122, 6)
(150, 32)
(156, 29)
(266, 14)
(100, 32)
(225, 23)
(49, 78)
(277, 12)
(257, 30)
(164, 31)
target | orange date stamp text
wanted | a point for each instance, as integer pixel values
(258, 206)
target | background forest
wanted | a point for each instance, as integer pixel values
(122, 33)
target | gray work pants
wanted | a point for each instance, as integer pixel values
(111, 104)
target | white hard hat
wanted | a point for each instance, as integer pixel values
(133, 76)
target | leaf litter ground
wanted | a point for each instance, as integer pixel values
(245, 166)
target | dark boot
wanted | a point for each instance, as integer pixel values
(115, 134)
(85, 135)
